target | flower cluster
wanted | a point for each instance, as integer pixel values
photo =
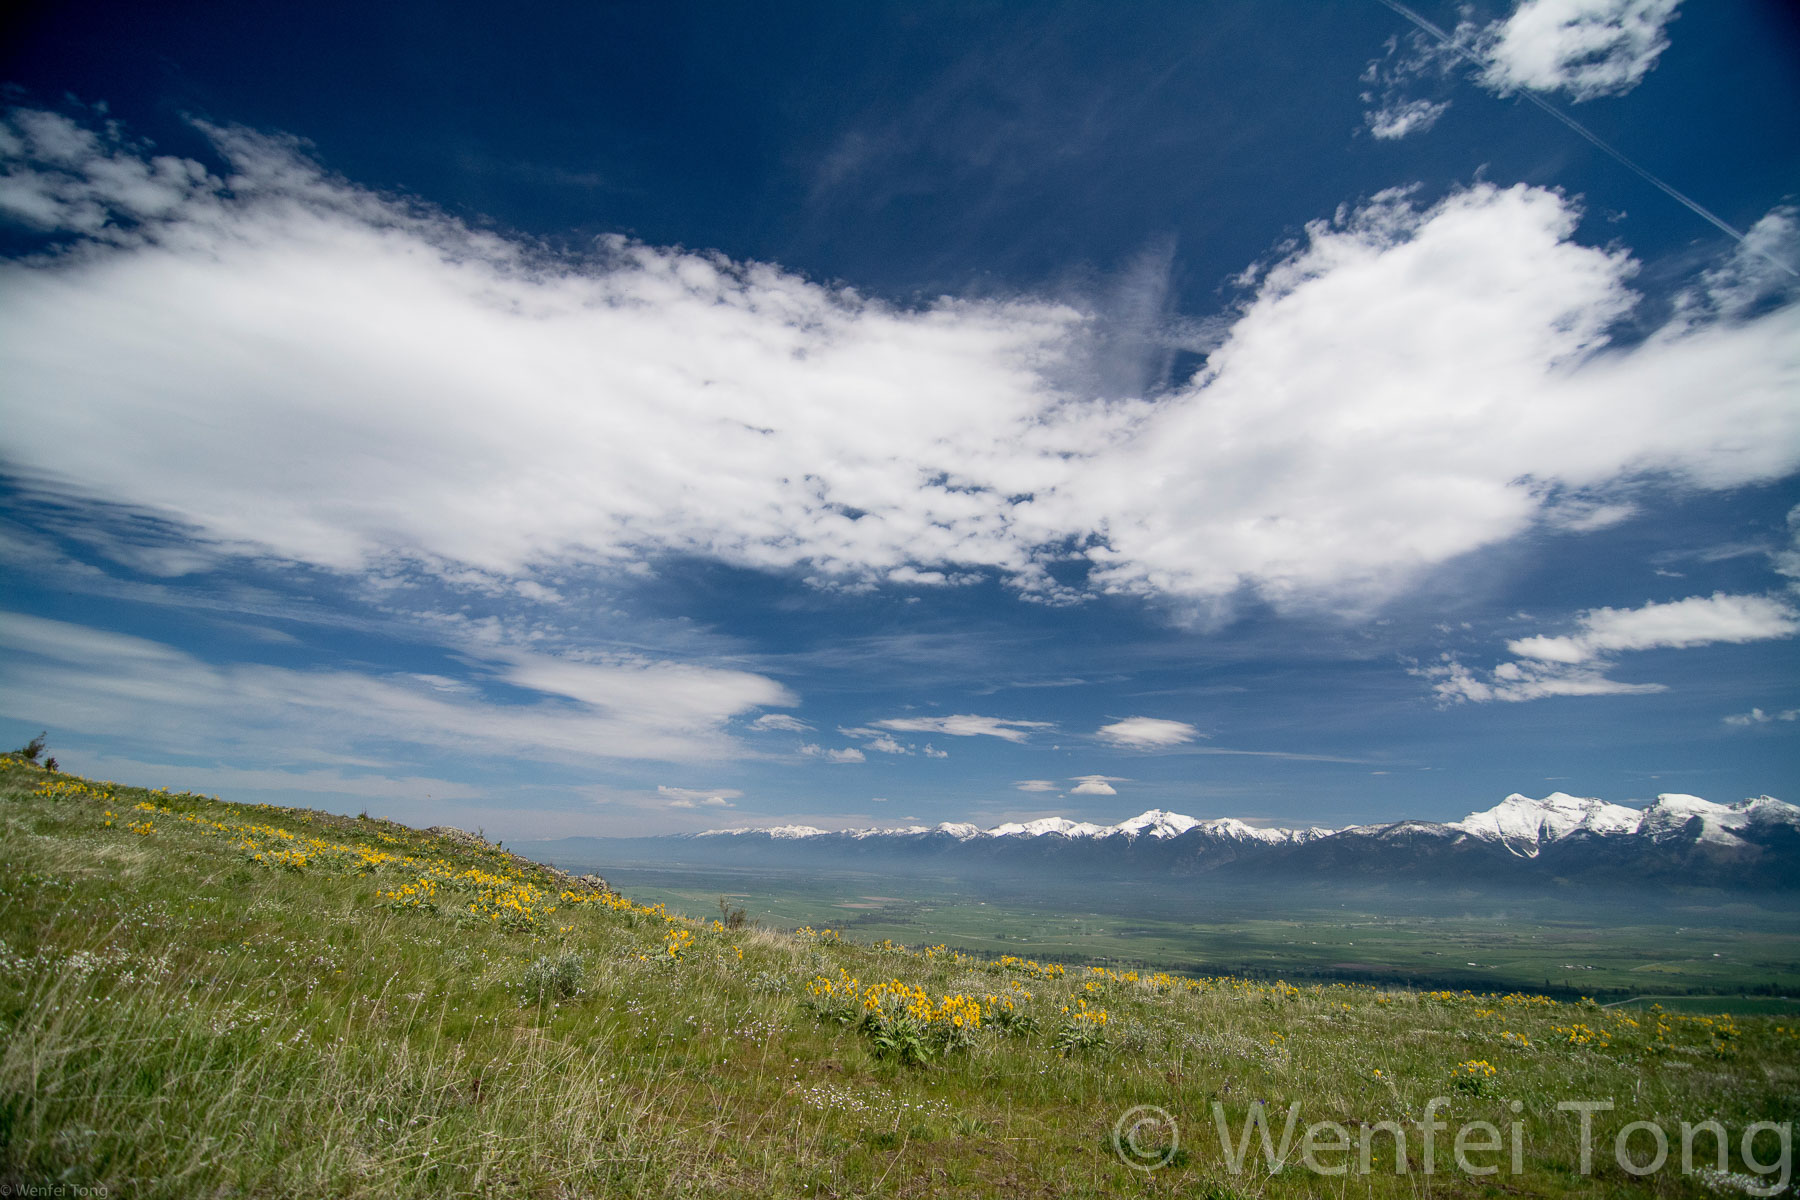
(901, 1019)
(1472, 1076)
(71, 787)
(1083, 1028)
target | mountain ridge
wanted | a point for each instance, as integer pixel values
(1554, 840)
(1516, 821)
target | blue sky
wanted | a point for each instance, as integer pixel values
(648, 418)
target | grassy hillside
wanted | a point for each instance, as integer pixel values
(202, 998)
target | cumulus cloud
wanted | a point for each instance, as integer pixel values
(292, 366)
(1095, 785)
(877, 740)
(849, 754)
(1145, 733)
(1586, 48)
(1576, 664)
(965, 725)
(1416, 384)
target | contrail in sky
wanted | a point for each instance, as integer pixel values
(1691, 205)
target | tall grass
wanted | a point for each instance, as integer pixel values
(182, 1018)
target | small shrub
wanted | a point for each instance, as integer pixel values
(553, 977)
(731, 918)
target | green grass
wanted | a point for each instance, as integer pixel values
(206, 999)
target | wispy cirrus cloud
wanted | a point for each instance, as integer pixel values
(779, 723)
(1397, 119)
(1007, 729)
(1757, 716)
(81, 679)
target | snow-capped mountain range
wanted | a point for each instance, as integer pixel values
(1156, 823)
(1521, 824)
(1677, 840)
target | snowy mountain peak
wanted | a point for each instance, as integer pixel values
(1044, 825)
(1674, 813)
(1158, 823)
(794, 831)
(1524, 825)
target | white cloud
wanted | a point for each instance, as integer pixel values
(965, 725)
(73, 677)
(931, 751)
(1757, 716)
(1395, 120)
(1576, 664)
(698, 797)
(1035, 785)
(1763, 270)
(1095, 785)
(1406, 387)
(876, 740)
(1454, 683)
(1586, 48)
(1786, 560)
(1695, 621)
(780, 722)
(1584, 515)
(849, 754)
(1147, 732)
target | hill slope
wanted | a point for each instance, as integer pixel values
(202, 998)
